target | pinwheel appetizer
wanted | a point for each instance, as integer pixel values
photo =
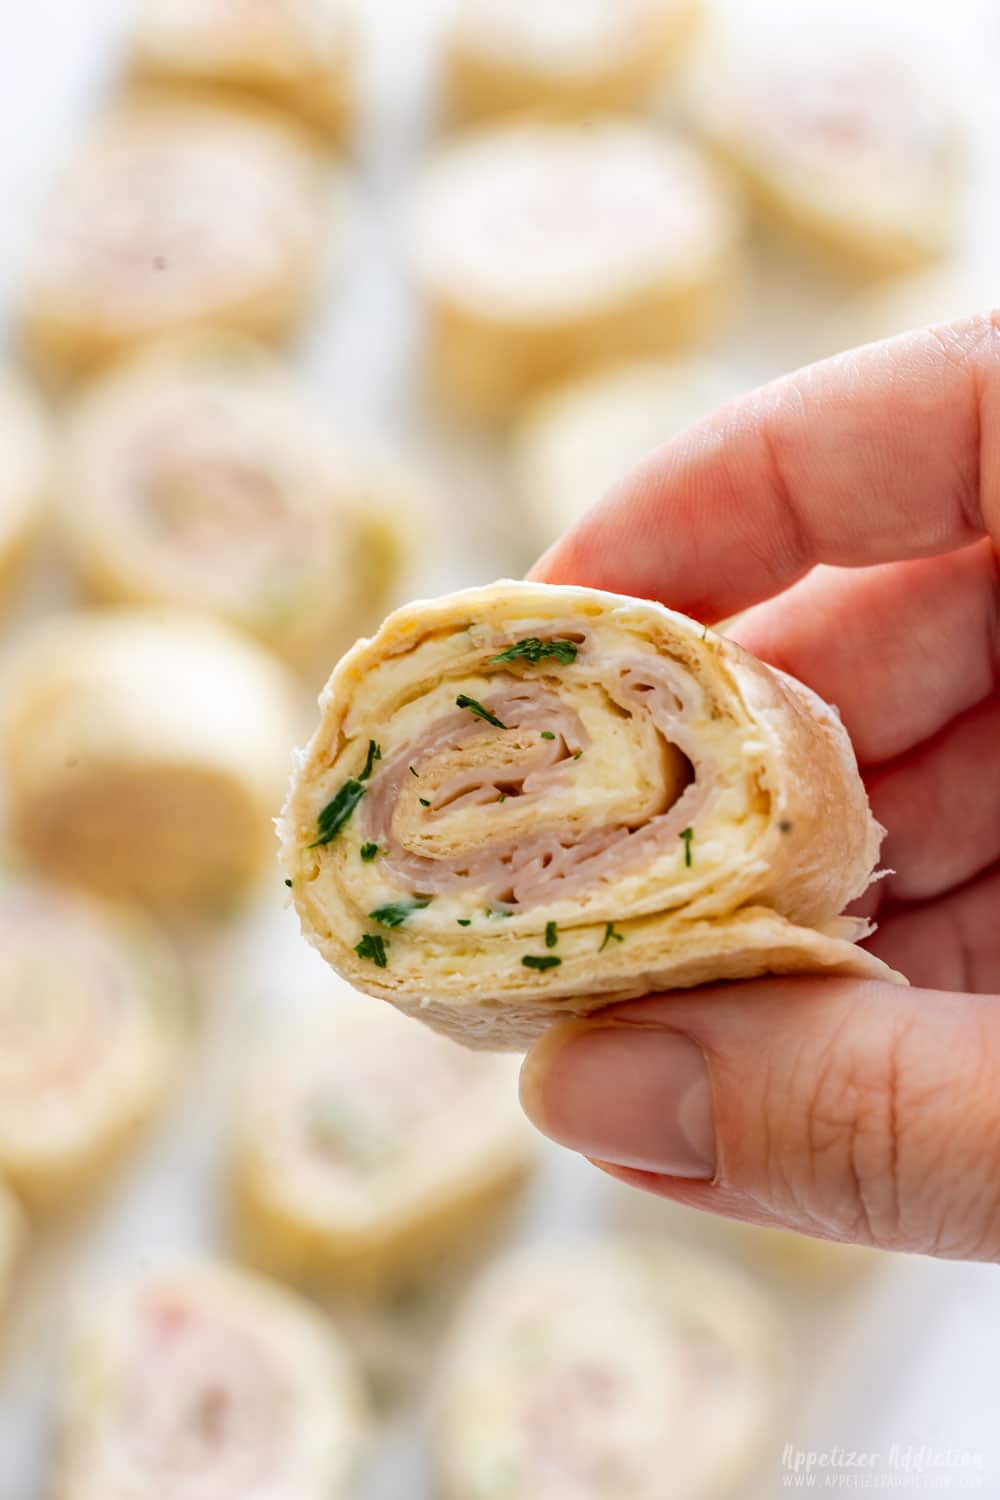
(542, 248)
(204, 475)
(850, 146)
(173, 216)
(574, 443)
(144, 754)
(299, 54)
(608, 1368)
(506, 55)
(23, 477)
(91, 1016)
(370, 1147)
(566, 798)
(205, 1383)
(12, 1238)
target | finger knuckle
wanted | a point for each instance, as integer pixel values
(897, 1145)
(860, 1119)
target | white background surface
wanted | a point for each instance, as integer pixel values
(909, 1357)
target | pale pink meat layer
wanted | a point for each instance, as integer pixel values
(552, 864)
(205, 1409)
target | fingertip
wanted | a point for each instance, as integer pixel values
(539, 1063)
(633, 1096)
(541, 571)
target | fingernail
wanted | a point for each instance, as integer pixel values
(633, 1096)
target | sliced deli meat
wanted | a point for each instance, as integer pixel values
(542, 248)
(203, 474)
(610, 1367)
(205, 1383)
(92, 1011)
(173, 215)
(849, 143)
(527, 801)
(369, 1149)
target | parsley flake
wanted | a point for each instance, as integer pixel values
(464, 701)
(368, 852)
(396, 913)
(611, 936)
(423, 802)
(337, 811)
(289, 884)
(372, 947)
(541, 961)
(374, 754)
(547, 734)
(464, 921)
(687, 836)
(534, 650)
(551, 934)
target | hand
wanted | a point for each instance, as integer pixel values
(853, 509)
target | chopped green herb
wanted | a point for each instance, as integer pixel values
(372, 947)
(464, 701)
(396, 913)
(413, 772)
(547, 734)
(577, 754)
(423, 802)
(551, 934)
(704, 634)
(534, 650)
(687, 836)
(337, 811)
(289, 884)
(374, 754)
(493, 912)
(502, 797)
(541, 961)
(464, 921)
(368, 852)
(611, 936)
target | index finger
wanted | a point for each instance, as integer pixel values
(888, 452)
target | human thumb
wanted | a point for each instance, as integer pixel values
(856, 1111)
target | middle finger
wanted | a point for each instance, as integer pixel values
(901, 649)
